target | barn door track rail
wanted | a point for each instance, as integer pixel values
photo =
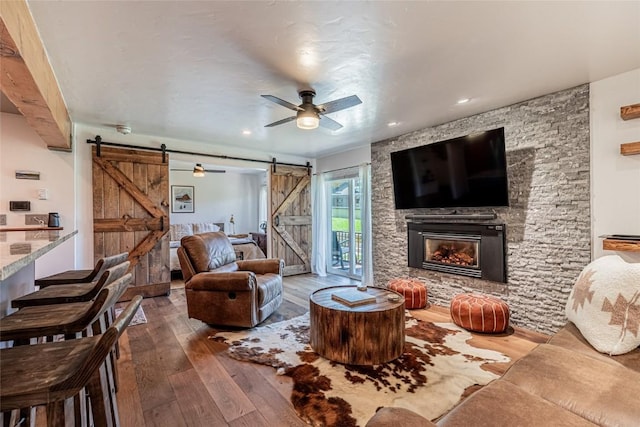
(163, 149)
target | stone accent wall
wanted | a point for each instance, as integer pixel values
(548, 221)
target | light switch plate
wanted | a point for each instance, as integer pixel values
(43, 194)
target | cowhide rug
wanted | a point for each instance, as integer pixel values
(430, 377)
(138, 319)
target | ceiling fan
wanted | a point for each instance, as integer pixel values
(308, 115)
(199, 171)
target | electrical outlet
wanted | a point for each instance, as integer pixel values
(36, 219)
(3, 219)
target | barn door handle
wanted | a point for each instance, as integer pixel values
(276, 220)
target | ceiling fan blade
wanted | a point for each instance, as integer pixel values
(329, 123)
(282, 102)
(279, 122)
(339, 104)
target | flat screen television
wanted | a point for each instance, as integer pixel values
(468, 171)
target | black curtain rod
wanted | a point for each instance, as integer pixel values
(344, 168)
(163, 149)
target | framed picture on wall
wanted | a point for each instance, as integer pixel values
(182, 198)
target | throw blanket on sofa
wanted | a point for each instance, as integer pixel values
(246, 248)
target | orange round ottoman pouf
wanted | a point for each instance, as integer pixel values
(414, 292)
(480, 313)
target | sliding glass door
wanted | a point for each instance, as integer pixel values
(345, 227)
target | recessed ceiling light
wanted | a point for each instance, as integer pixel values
(392, 124)
(307, 57)
(463, 100)
(246, 132)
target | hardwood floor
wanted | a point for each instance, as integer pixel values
(171, 374)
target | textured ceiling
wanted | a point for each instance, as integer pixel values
(196, 70)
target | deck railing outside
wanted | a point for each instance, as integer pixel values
(343, 240)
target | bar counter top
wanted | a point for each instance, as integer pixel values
(19, 248)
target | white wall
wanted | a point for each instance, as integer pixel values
(218, 196)
(345, 159)
(615, 179)
(23, 149)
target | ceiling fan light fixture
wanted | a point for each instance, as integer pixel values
(307, 120)
(198, 171)
(308, 114)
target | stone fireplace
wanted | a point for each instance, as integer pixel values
(466, 249)
(548, 220)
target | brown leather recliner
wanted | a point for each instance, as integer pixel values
(223, 291)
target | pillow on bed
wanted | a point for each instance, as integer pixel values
(205, 227)
(178, 231)
(605, 304)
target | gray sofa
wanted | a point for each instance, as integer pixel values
(564, 382)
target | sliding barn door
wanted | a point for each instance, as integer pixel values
(130, 213)
(291, 218)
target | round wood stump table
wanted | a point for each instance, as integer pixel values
(367, 334)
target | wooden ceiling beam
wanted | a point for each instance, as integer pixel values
(27, 78)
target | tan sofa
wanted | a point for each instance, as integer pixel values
(223, 291)
(564, 382)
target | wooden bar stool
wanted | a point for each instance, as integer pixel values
(82, 276)
(68, 319)
(69, 293)
(49, 374)
(72, 320)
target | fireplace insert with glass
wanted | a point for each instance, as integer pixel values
(467, 249)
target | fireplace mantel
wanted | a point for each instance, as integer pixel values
(450, 217)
